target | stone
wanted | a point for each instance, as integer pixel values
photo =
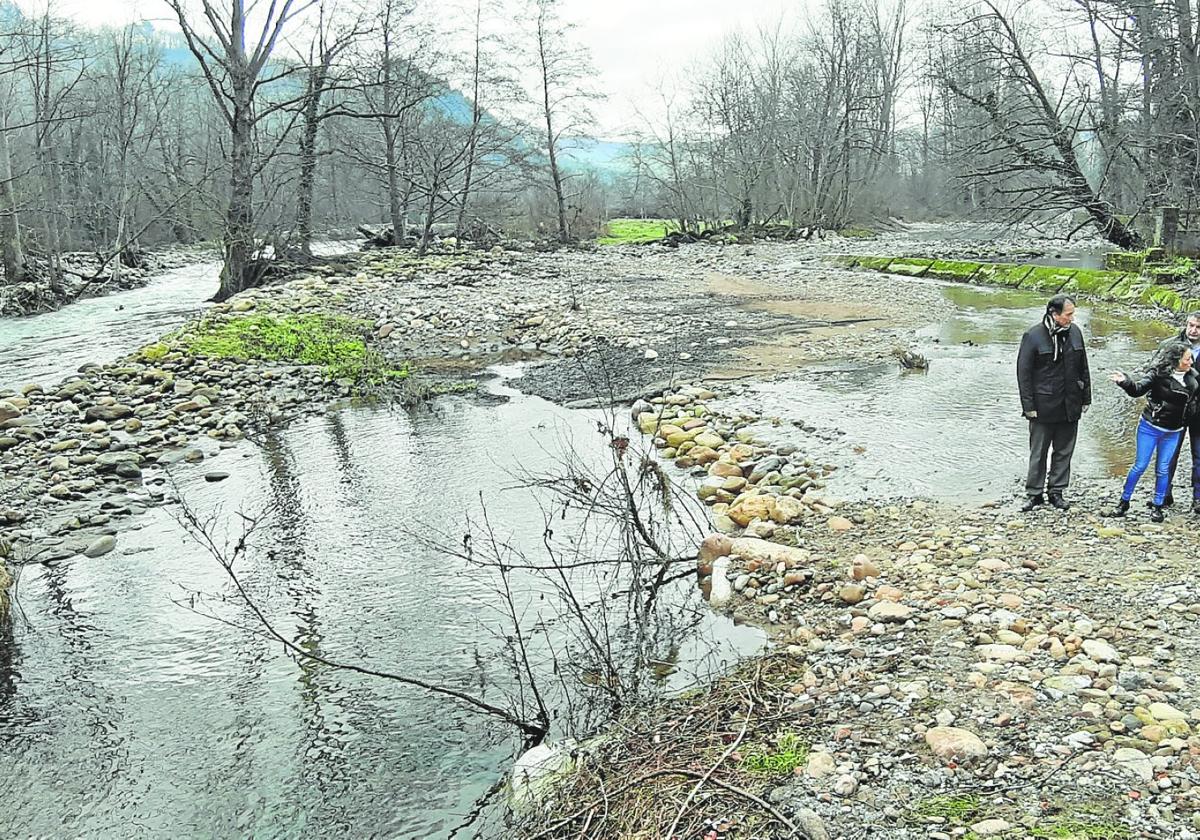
(863, 569)
(215, 476)
(100, 546)
(846, 785)
(748, 508)
(788, 510)
(990, 828)
(1100, 650)
(951, 743)
(714, 546)
(8, 411)
(890, 612)
(852, 593)
(768, 553)
(820, 765)
(839, 524)
(1065, 685)
(1164, 712)
(1134, 762)
(110, 460)
(108, 413)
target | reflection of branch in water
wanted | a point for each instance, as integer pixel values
(202, 530)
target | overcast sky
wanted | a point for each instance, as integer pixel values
(634, 43)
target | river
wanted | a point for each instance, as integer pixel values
(138, 699)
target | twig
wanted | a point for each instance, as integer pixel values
(712, 769)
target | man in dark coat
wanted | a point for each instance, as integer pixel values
(1191, 334)
(1056, 389)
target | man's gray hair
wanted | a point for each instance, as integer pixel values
(1195, 313)
(1058, 303)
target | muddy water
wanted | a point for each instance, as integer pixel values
(956, 431)
(125, 712)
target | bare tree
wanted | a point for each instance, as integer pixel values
(235, 72)
(562, 70)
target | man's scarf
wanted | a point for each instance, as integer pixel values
(1058, 334)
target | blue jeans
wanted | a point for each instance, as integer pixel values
(1149, 439)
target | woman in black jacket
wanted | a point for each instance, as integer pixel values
(1172, 387)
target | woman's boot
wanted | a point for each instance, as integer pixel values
(1120, 510)
(1156, 513)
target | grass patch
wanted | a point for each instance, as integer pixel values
(335, 343)
(635, 231)
(791, 753)
(955, 810)
(1081, 828)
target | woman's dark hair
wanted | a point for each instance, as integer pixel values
(1165, 360)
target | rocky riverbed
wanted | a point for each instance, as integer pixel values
(948, 669)
(943, 671)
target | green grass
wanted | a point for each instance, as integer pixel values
(857, 233)
(335, 343)
(791, 753)
(955, 810)
(635, 231)
(1079, 828)
(960, 270)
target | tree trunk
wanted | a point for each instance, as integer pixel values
(308, 159)
(10, 228)
(239, 230)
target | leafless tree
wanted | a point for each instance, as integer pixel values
(236, 71)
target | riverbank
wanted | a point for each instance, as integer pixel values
(85, 278)
(937, 664)
(895, 617)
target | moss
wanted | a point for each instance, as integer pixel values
(1128, 289)
(845, 260)
(953, 270)
(1047, 279)
(1124, 260)
(154, 352)
(335, 343)
(875, 263)
(1093, 281)
(790, 753)
(909, 266)
(1002, 274)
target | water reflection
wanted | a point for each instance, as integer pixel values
(956, 432)
(131, 714)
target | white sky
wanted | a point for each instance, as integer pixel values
(634, 43)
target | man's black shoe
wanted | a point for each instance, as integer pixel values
(1168, 501)
(1156, 513)
(1059, 502)
(1196, 507)
(1120, 510)
(1032, 502)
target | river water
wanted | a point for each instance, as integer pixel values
(956, 432)
(48, 346)
(126, 710)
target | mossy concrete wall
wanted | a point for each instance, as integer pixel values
(1101, 283)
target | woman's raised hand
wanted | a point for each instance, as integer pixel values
(1117, 377)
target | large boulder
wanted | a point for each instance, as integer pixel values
(950, 743)
(747, 508)
(766, 553)
(8, 411)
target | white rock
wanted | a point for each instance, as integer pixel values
(1134, 761)
(721, 591)
(1101, 651)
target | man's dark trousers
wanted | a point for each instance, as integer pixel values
(1042, 438)
(1192, 431)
